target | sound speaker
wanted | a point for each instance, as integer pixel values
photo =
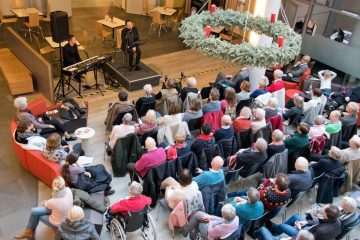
(59, 26)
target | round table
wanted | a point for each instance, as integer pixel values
(85, 133)
(290, 94)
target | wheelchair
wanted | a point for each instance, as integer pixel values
(120, 225)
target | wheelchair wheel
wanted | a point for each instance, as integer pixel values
(148, 229)
(116, 230)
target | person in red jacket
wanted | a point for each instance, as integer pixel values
(134, 203)
(278, 83)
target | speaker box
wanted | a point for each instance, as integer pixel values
(59, 26)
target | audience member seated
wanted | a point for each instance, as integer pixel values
(54, 211)
(277, 145)
(174, 116)
(226, 131)
(298, 139)
(250, 208)
(148, 98)
(182, 146)
(264, 81)
(45, 124)
(212, 227)
(214, 104)
(177, 191)
(191, 82)
(76, 227)
(120, 131)
(194, 112)
(167, 92)
(122, 106)
(297, 70)
(55, 152)
(153, 157)
(95, 178)
(293, 115)
(327, 228)
(258, 120)
(348, 214)
(228, 104)
(133, 203)
(351, 114)
(265, 234)
(353, 151)
(318, 127)
(315, 99)
(271, 109)
(300, 179)
(27, 134)
(204, 140)
(244, 93)
(149, 123)
(278, 83)
(330, 164)
(334, 126)
(242, 122)
(246, 158)
(326, 76)
(211, 177)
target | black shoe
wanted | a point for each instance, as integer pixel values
(86, 86)
(70, 139)
(110, 192)
(137, 68)
(108, 188)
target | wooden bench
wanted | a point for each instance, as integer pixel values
(16, 75)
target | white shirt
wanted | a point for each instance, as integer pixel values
(312, 103)
(326, 83)
(316, 131)
(120, 131)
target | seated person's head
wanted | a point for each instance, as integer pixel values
(331, 212)
(24, 126)
(335, 153)
(281, 182)
(335, 116)
(150, 143)
(20, 103)
(349, 205)
(76, 214)
(53, 141)
(305, 59)
(127, 118)
(264, 81)
(273, 103)
(245, 86)
(354, 142)
(170, 83)
(58, 184)
(278, 74)
(195, 104)
(226, 120)
(230, 95)
(191, 82)
(260, 145)
(259, 114)
(71, 159)
(147, 89)
(303, 128)
(316, 92)
(174, 109)
(135, 189)
(217, 163)
(253, 195)
(150, 116)
(228, 212)
(206, 129)
(214, 94)
(245, 113)
(123, 96)
(180, 138)
(299, 102)
(277, 136)
(319, 120)
(352, 108)
(304, 235)
(185, 177)
(301, 164)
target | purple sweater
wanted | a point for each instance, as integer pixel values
(217, 228)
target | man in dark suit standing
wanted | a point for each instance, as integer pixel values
(130, 38)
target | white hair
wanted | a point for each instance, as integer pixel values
(335, 152)
(261, 144)
(135, 189)
(191, 81)
(259, 114)
(75, 214)
(217, 163)
(301, 164)
(304, 235)
(228, 212)
(278, 73)
(336, 113)
(349, 204)
(150, 143)
(273, 102)
(147, 88)
(355, 140)
(277, 135)
(245, 112)
(127, 118)
(319, 120)
(264, 81)
(226, 120)
(150, 116)
(354, 107)
(20, 103)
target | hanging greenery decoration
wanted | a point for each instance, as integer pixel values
(192, 31)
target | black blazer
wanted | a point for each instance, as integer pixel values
(248, 158)
(326, 229)
(328, 165)
(128, 38)
(70, 55)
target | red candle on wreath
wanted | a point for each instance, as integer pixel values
(207, 31)
(212, 8)
(280, 41)
(273, 17)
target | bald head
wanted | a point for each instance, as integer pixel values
(354, 142)
(217, 163)
(150, 143)
(301, 164)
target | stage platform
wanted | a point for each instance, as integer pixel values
(133, 80)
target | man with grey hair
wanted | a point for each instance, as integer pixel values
(297, 70)
(271, 109)
(147, 99)
(76, 226)
(226, 131)
(330, 164)
(191, 87)
(351, 114)
(134, 203)
(278, 83)
(212, 227)
(264, 81)
(335, 124)
(353, 151)
(300, 179)
(120, 131)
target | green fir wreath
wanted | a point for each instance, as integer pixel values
(192, 31)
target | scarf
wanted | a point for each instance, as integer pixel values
(205, 137)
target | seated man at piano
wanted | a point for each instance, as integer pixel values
(130, 44)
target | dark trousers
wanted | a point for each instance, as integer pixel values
(289, 79)
(59, 128)
(131, 57)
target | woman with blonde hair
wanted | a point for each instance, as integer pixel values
(149, 123)
(54, 211)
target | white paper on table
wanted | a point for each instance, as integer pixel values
(82, 161)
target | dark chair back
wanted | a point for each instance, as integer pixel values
(297, 198)
(146, 107)
(254, 169)
(188, 161)
(120, 115)
(209, 154)
(205, 92)
(264, 132)
(227, 147)
(135, 220)
(152, 134)
(299, 152)
(255, 224)
(276, 164)
(243, 139)
(241, 104)
(348, 131)
(195, 124)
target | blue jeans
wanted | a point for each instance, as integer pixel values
(238, 194)
(40, 214)
(288, 226)
(326, 91)
(265, 234)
